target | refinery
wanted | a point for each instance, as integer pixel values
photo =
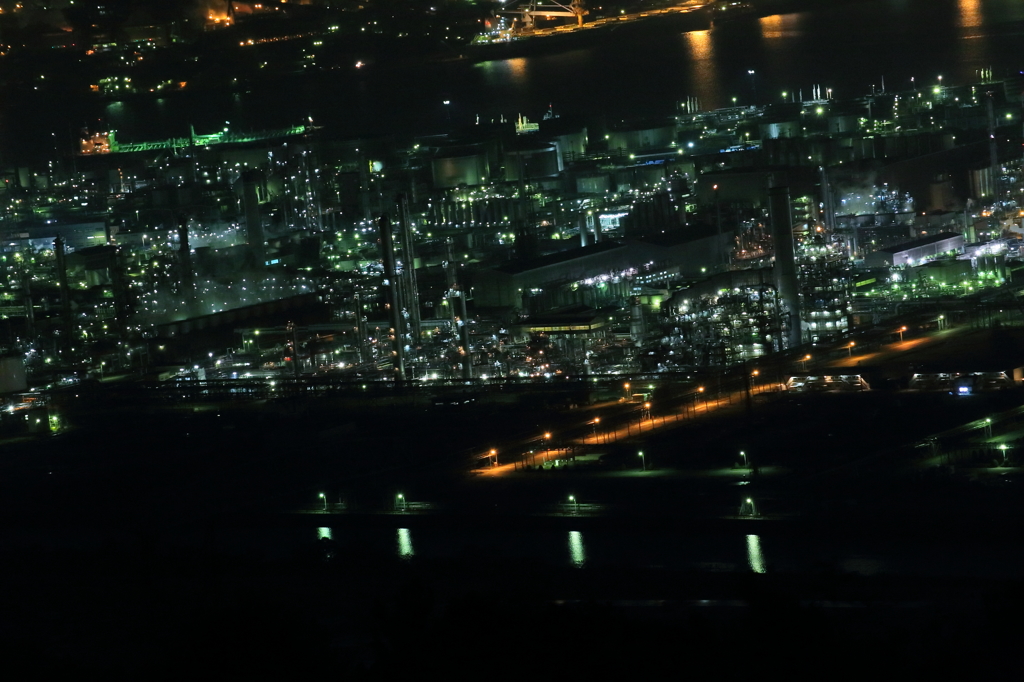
(379, 339)
(511, 251)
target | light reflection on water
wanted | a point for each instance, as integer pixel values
(323, 533)
(405, 543)
(754, 556)
(577, 553)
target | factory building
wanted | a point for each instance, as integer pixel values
(598, 274)
(507, 286)
(910, 253)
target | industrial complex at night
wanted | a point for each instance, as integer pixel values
(297, 296)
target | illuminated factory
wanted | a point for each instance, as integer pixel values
(704, 239)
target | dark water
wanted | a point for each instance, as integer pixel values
(762, 549)
(848, 48)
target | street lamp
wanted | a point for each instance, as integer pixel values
(494, 454)
(324, 498)
(576, 505)
(597, 420)
(643, 462)
(700, 389)
(942, 321)
(400, 502)
(803, 362)
(744, 456)
(901, 330)
(850, 347)
(1003, 448)
(625, 387)
(750, 505)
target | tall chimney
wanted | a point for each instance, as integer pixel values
(411, 293)
(387, 250)
(785, 261)
(253, 222)
(185, 258)
(65, 291)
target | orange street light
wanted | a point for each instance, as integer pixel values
(901, 330)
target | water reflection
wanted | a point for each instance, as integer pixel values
(703, 68)
(499, 73)
(323, 533)
(405, 543)
(754, 556)
(969, 13)
(779, 26)
(973, 40)
(577, 553)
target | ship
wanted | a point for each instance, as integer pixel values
(726, 10)
(518, 33)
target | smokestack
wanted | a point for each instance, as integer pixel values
(185, 258)
(993, 154)
(30, 313)
(723, 258)
(387, 250)
(253, 222)
(459, 318)
(65, 291)
(411, 293)
(361, 331)
(785, 261)
(467, 358)
(584, 233)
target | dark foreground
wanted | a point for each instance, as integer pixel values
(151, 542)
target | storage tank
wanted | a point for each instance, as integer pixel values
(531, 161)
(592, 184)
(12, 374)
(460, 166)
(570, 146)
(843, 123)
(639, 137)
(773, 130)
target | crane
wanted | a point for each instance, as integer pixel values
(550, 8)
